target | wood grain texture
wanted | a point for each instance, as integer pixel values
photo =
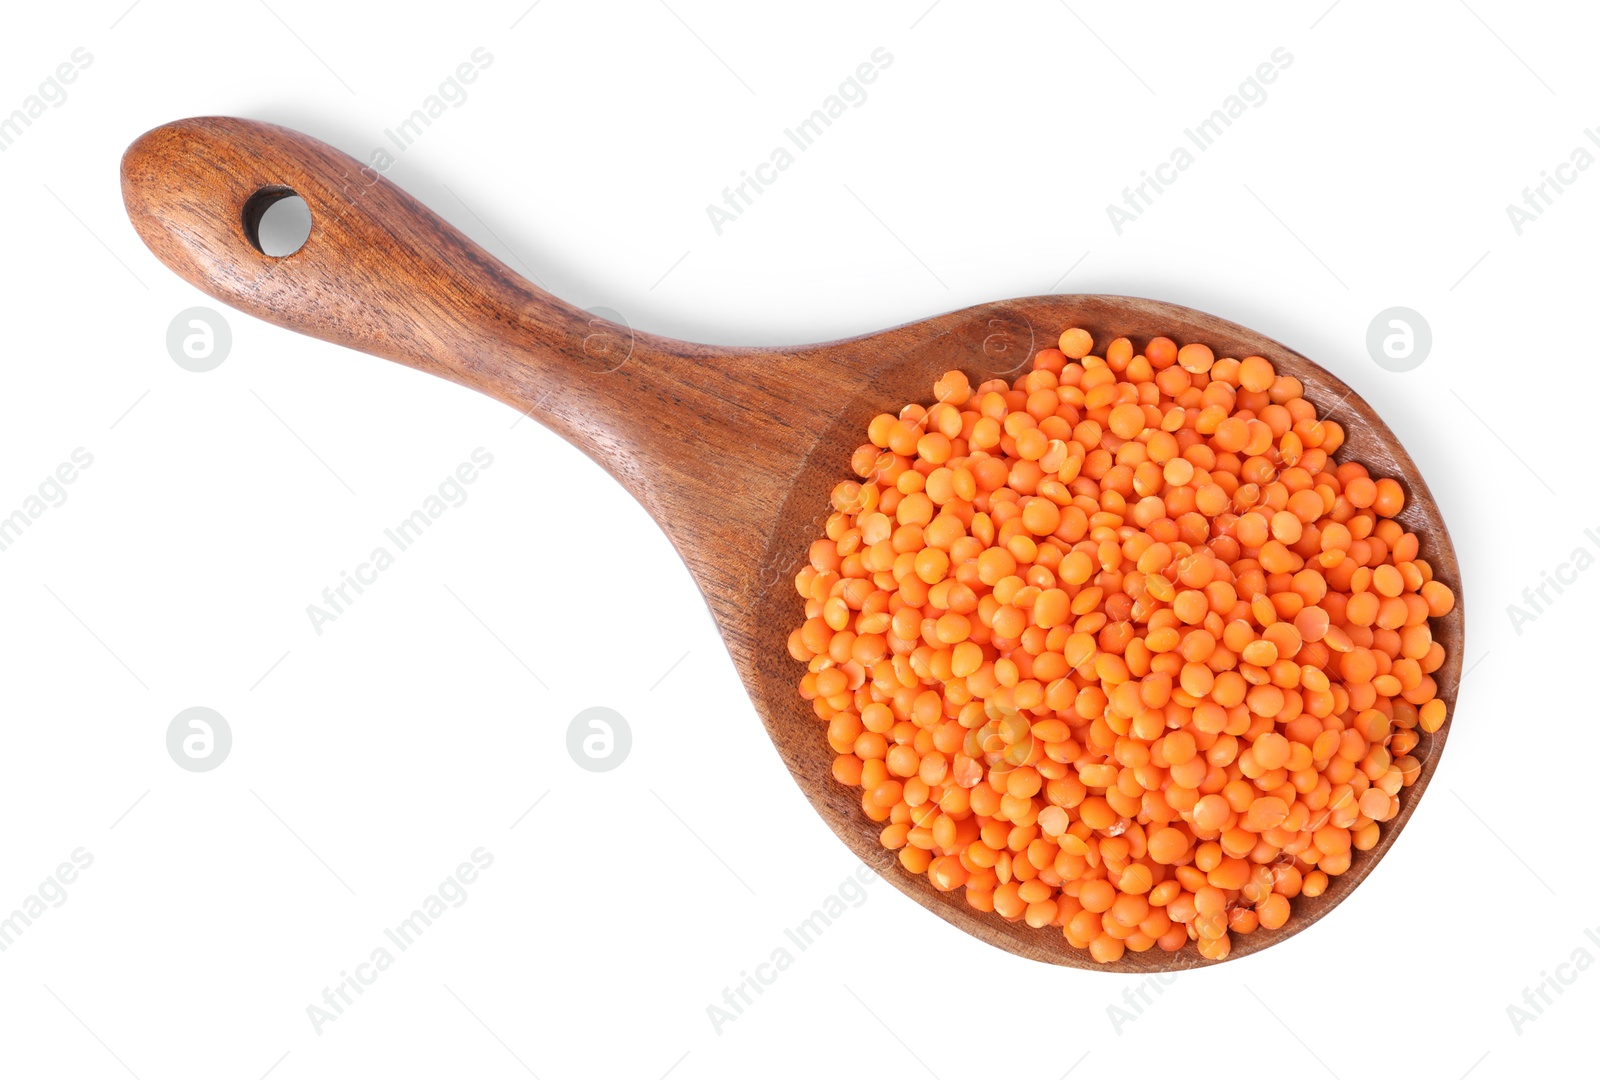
(682, 426)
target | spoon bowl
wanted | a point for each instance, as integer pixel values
(733, 451)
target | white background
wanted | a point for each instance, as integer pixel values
(370, 760)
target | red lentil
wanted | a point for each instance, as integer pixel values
(1118, 648)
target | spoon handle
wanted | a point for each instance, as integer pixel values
(380, 272)
(684, 428)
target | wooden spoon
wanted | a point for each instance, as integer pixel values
(733, 451)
